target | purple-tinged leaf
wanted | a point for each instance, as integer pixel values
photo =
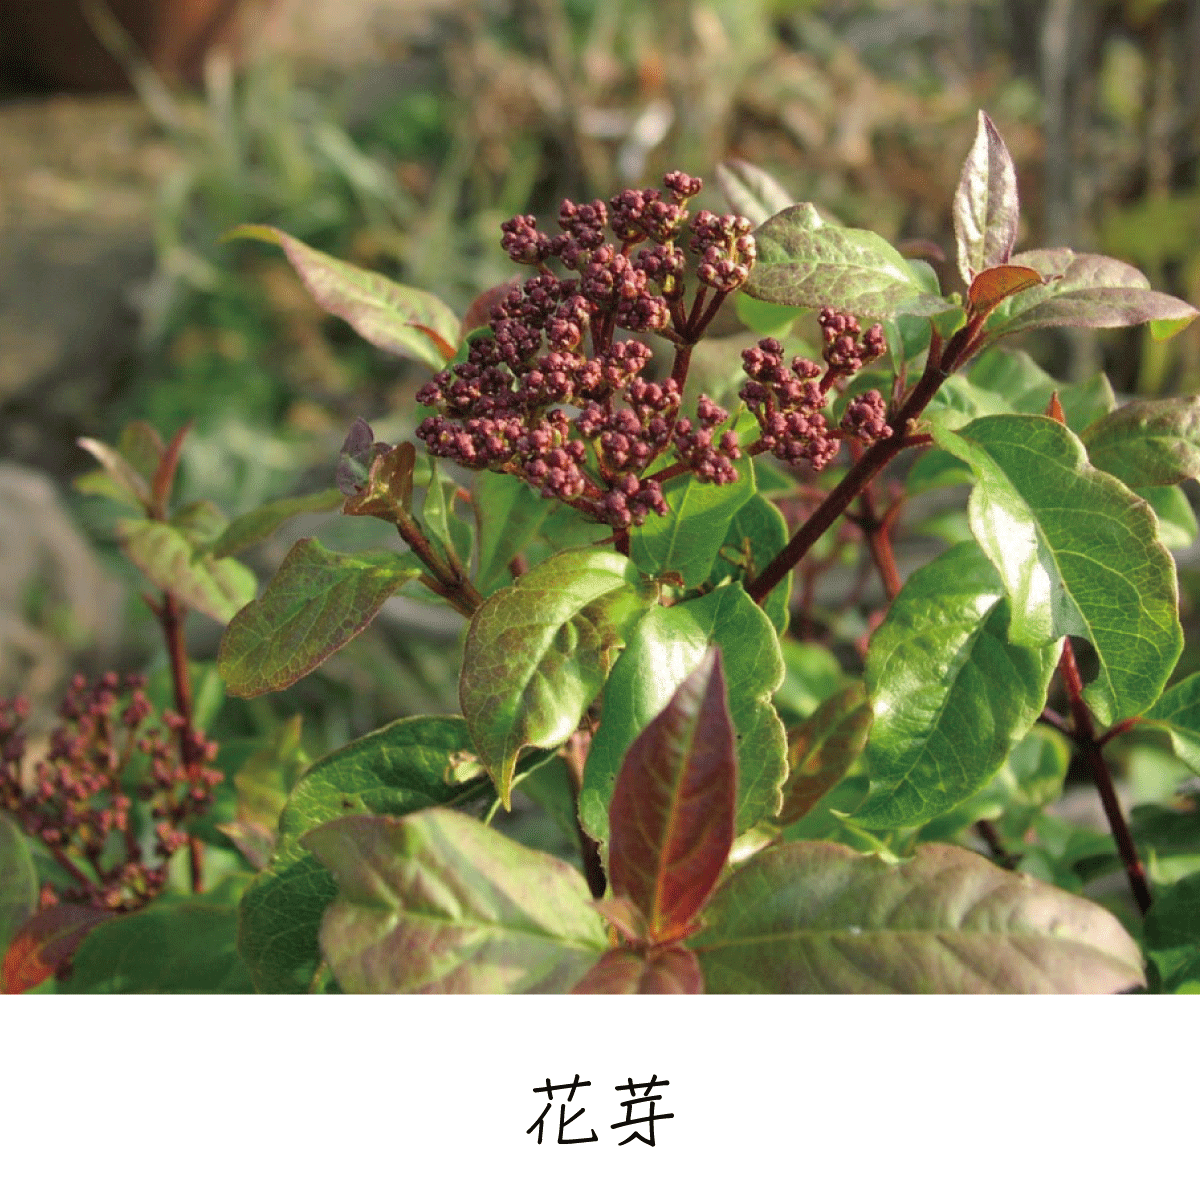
(167, 556)
(480, 310)
(45, 943)
(818, 917)
(437, 902)
(387, 493)
(805, 262)
(1148, 443)
(1087, 291)
(986, 207)
(316, 603)
(658, 971)
(671, 822)
(354, 462)
(991, 286)
(822, 749)
(750, 191)
(396, 318)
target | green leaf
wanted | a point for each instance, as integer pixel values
(1026, 388)
(538, 653)
(1177, 528)
(1177, 712)
(257, 525)
(1148, 443)
(816, 917)
(448, 532)
(755, 535)
(124, 482)
(804, 262)
(822, 750)
(1172, 933)
(176, 945)
(687, 539)
(316, 603)
(750, 191)
(658, 971)
(671, 819)
(1087, 291)
(986, 207)
(951, 696)
(217, 587)
(509, 514)
(1078, 554)
(402, 320)
(18, 881)
(663, 650)
(436, 902)
(813, 674)
(411, 764)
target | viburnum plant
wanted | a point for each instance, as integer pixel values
(620, 523)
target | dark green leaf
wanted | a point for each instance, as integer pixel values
(1086, 291)
(804, 262)
(257, 525)
(671, 819)
(399, 319)
(663, 650)
(215, 586)
(755, 535)
(438, 902)
(659, 971)
(538, 653)
(951, 695)
(822, 750)
(316, 603)
(509, 514)
(1148, 443)
(1078, 554)
(1177, 712)
(18, 881)
(177, 944)
(687, 539)
(816, 917)
(986, 207)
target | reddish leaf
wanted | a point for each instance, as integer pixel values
(672, 814)
(985, 205)
(388, 491)
(659, 971)
(480, 310)
(168, 464)
(989, 287)
(823, 749)
(45, 943)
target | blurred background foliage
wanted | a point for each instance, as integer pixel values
(404, 146)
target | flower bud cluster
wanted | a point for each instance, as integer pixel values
(80, 805)
(551, 394)
(789, 401)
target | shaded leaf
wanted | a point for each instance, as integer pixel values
(408, 765)
(44, 944)
(217, 587)
(508, 514)
(822, 750)
(125, 482)
(658, 971)
(175, 945)
(257, 525)
(686, 540)
(1148, 443)
(1177, 526)
(750, 191)
(1077, 552)
(402, 320)
(1086, 291)
(18, 880)
(438, 902)
(755, 535)
(663, 650)
(816, 917)
(805, 262)
(316, 603)
(951, 695)
(1013, 375)
(986, 206)
(671, 819)
(1177, 713)
(538, 653)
